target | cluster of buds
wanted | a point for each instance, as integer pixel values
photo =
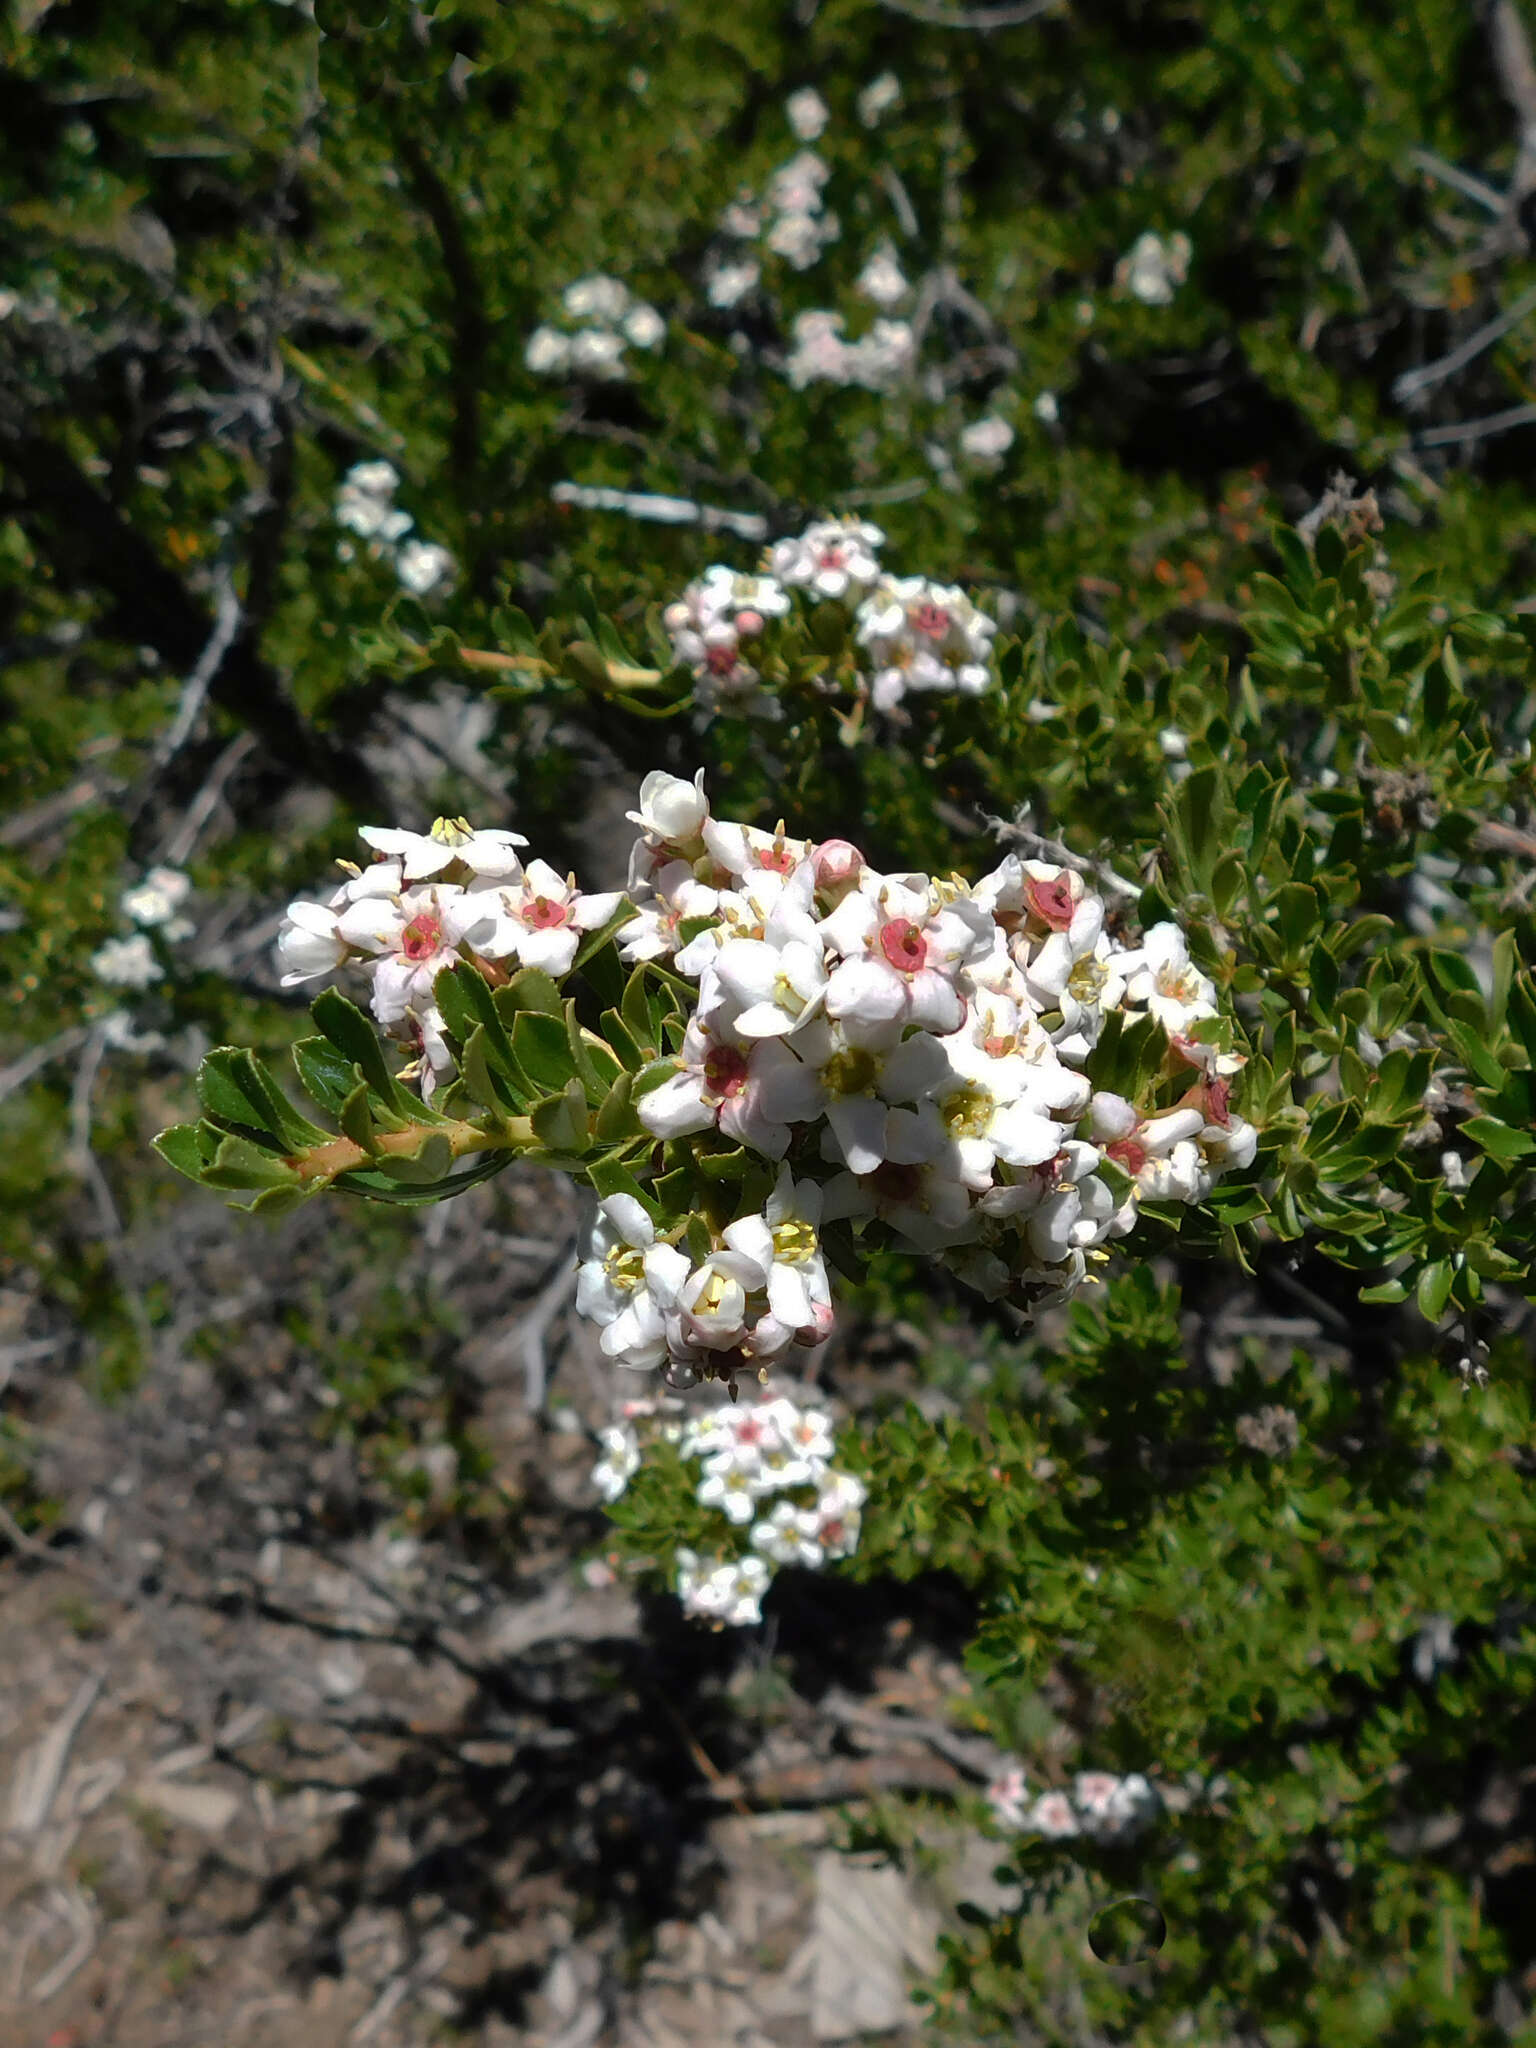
(1101, 1806)
(765, 1471)
(913, 635)
(902, 1056)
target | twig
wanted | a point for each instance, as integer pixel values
(1412, 382)
(179, 848)
(832, 1783)
(1517, 75)
(53, 810)
(1477, 430)
(20, 1072)
(1492, 837)
(666, 511)
(1040, 847)
(528, 1336)
(982, 19)
(36, 1785)
(226, 624)
(1459, 180)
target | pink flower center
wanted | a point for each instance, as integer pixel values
(749, 1432)
(720, 660)
(832, 557)
(725, 1071)
(543, 913)
(1051, 901)
(1218, 1101)
(422, 937)
(931, 619)
(779, 858)
(903, 944)
(832, 1531)
(1129, 1153)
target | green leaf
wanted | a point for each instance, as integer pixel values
(530, 989)
(560, 1121)
(1387, 1291)
(355, 1038)
(1434, 1289)
(179, 1148)
(429, 1163)
(543, 1049)
(616, 1118)
(235, 1088)
(239, 1163)
(356, 1118)
(1498, 1140)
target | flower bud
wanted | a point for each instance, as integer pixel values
(838, 866)
(749, 624)
(671, 809)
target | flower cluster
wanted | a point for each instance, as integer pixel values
(152, 905)
(427, 901)
(912, 1049)
(365, 505)
(895, 1054)
(914, 635)
(766, 1471)
(1100, 1806)
(603, 321)
(1154, 267)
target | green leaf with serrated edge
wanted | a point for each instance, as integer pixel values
(238, 1163)
(1498, 1139)
(616, 1119)
(352, 1034)
(582, 1063)
(608, 1175)
(560, 1121)
(1434, 1289)
(639, 1013)
(731, 1165)
(543, 1049)
(233, 1086)
(530, 989)
(278, 1201)
(329, 1077)
(431, 1161)
(618, 1036)
(179, 1148)
(356, 1118)
(605, 975)
(475, 1068)
(674, 1190)
(470, 994)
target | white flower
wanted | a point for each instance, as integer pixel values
(795, 187)
(1154, 267)
(832, 558)
(922, 1201)
(807, 113)
(156, 899)
(799, 237)
(620, 1461)
(644, 327)
(881, 281)
(671, 895)
(548, 353)
(372, 479)
(371, 518)
(901, 951)
(1160, 976)
(309, 943)
(783, 1253)
(859, 1083)
(885, 357)
(772, 984)
(820, 355)
(542, 917)
(595, 352)
(836, 1514)
(1046, 408)
(672, 812)
(730, 1483)
(487, 852)
(878, 98)
(987, 438)
(923, 636)
(1052, 1815)
(729, 283)
(719, 1081)
(726, 1593)
(127, 963)
(596, 298)
(1007, 1795)
(422, 565)
(786, 1534)
(414, 936)
(626, 1281)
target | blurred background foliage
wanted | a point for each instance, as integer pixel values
(242, 250)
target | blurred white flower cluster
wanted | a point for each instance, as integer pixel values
(916, 636)
(1100, 1806)
(765, 1468)
(151, 905)
(1154, 267)
(602, 320)
(365, 506)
